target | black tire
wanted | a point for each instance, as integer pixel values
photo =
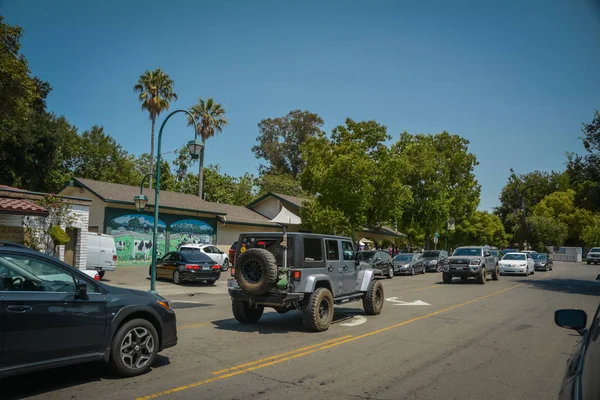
(176, 277)
(134, 331)
(374, 299)
(423, 269)
(446, 277)
(412, 271)
(546, 268)
(533, 271)
(496, 274)
(589, 262)
(225, 265)
(101, 273)
(211, 281)
(390, 274)
(244, 313)
(317, 314)
(256, 271)
(482, 278)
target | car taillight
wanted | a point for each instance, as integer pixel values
(231, 256)
(296, 275)
(114, 257)
(261, 243)
(97, 277)
(232, 269)
(216, 267)
(192, 266)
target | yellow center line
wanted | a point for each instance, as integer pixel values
(182, 327)
(280, 355)
(323, 346)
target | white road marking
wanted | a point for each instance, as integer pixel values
(356, 320)
(399, 302)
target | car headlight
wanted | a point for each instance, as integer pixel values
(166, 304)
(475, 261)
(522, 265)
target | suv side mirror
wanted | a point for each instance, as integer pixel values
(487, 254)
(598, 277)
(81, 290)
(378, 259)
(571, 319)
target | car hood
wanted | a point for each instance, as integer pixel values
(513, 262)
(118, 291)
(465, 259)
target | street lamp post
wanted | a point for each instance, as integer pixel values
(195, 146)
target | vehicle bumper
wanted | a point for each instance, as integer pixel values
(272, 299)
(540, 267)
(108, 268)
(464, 271)
(513, 270)
(431, 267)
(169, 331)
(200, 275)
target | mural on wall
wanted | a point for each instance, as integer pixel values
(133, 236)
(190, 231)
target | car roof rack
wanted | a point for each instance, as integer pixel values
(4, 243)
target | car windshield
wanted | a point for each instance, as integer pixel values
(367, 256)
(494, 252)
(539, 256)
(467, 251)
(510, 251)
(514, 256)
(595, 250)
(403, 257)
(195, 256)
(189, 249)
(431, 254)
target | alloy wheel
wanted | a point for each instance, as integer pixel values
(137, 348)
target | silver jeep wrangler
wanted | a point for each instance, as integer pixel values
(299, 271)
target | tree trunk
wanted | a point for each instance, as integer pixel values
(201, 168)
(427, 232)
(151, 167)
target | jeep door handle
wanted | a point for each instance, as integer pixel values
(345, 268)
(18, 308)
(330, 268)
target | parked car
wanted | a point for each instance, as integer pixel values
(379, 260)
(101, 253)
(193, 266)
(213, 252)
(496, 254)
(593, 256)
(433, 258)
(470, 262)
(542, 262)
(517, 263)
(320, 271)
(56, 315)
(580, 381)
(232, 254)
(408, 264)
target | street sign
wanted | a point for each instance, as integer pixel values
(436, 235)
(435, 239)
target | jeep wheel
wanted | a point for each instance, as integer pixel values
(256, 271)
(244, 313)
(390, 274)
(318, 312)
(373, 300)
(482, 278)
(496, 274)
(446, 277)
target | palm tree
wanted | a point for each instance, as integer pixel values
(156, 92)
(210, 118)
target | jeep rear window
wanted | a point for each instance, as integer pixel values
(313, 249)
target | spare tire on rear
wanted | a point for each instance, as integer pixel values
(256, 271)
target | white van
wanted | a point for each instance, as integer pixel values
(102, 253)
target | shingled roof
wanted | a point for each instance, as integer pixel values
(284, 198)
(21, 207)
(123, 194)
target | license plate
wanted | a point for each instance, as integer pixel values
(459, 268)
(205, 268)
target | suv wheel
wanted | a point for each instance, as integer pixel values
(244, 313)
(256, 271)
(482, 278)
(496, 274)
(134, 348)
(390, 273)
(318, 312)
(373, 300)
(446, 277)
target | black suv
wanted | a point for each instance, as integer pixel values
(317, 272)
(55, 315)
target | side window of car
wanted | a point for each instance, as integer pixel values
(313, 250)
(333, 251)
(25, 273)
(175, 257)
(347, 250)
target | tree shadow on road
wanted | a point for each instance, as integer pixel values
(275, 323)
(572, 286)
(39, 383)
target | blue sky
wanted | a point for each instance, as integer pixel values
(516, 78)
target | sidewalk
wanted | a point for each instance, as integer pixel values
(137, 278)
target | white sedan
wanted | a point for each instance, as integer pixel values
(212, 251)
(517, 263)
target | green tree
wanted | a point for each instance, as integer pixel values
(46, 233)
(325, 219)
(439, 171)
(590, 234)
(156, 91)
(167, 178)
(210, 118)
(547, 231)
(279, 140)
(480, 227)
(282, 184)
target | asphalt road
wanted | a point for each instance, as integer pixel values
(470, 341)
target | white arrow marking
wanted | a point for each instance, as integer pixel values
(356, 320)
(407, 303)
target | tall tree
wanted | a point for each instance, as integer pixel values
(210, 118)
(279, 140)
(156, 91)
